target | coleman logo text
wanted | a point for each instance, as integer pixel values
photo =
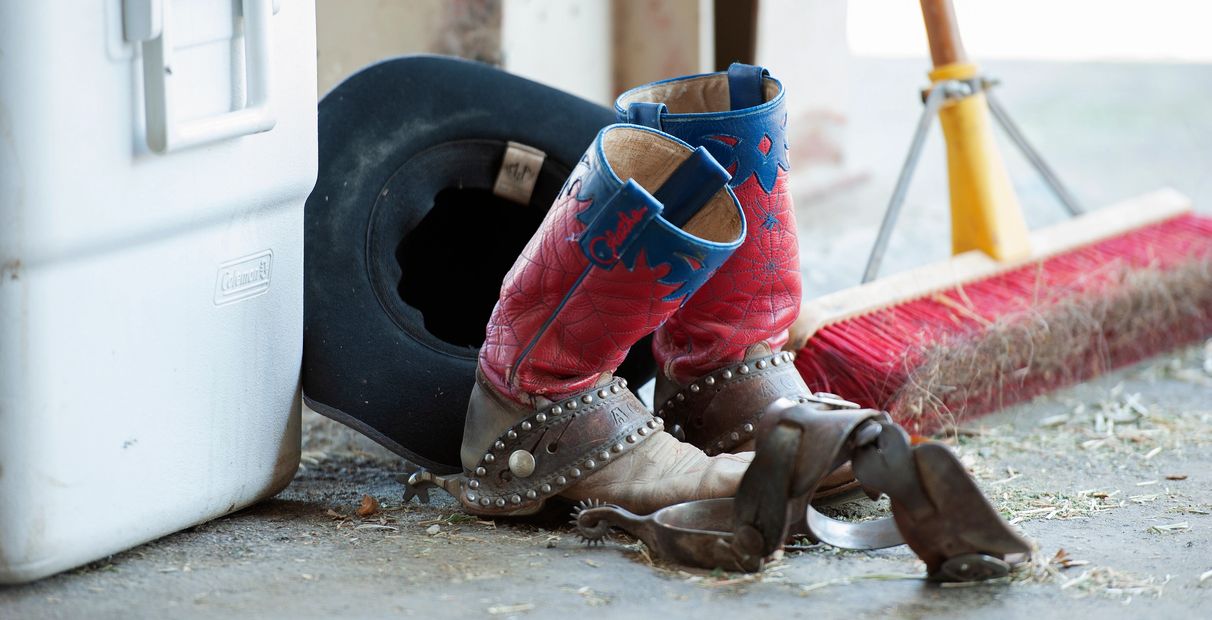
(243, 278)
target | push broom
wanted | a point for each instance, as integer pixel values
(1013, 313)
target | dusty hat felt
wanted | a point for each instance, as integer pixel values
(434, 172)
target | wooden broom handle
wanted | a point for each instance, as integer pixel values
(943, 31)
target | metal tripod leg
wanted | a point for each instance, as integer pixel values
(1033, 156)
(954, 89)
(933, 102)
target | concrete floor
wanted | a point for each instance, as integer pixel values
(1114, 472)
(1102, 496)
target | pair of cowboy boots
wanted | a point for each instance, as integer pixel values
(679, 222)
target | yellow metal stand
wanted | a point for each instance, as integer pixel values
(985, 214)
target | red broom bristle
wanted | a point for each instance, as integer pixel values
(989, 343)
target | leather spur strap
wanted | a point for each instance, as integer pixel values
(555, 447)
(798, 447)
(937, 508)
(722, 410)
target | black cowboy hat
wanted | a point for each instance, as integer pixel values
(434, 173)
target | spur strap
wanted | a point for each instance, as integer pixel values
(937, 508)
(556, 447)
(721, 410)
(798, 446)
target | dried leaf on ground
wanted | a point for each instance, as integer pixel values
(369, 506)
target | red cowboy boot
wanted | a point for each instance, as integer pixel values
(720, 353)
(612, 261)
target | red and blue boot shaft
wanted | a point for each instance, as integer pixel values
(642, 223)
(736, 324)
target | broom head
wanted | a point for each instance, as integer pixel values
(949, 341)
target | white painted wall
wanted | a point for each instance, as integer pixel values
(565, 44)
(803, 43)
(1134, 30)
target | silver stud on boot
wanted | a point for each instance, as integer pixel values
(521, 463)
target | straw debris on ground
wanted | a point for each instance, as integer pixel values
(1116, 451)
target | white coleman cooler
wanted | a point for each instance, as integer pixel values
(155, 156)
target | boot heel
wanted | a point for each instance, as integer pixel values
(419, 481)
